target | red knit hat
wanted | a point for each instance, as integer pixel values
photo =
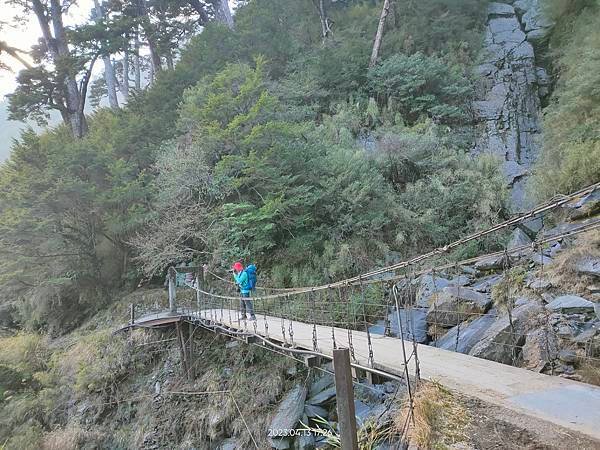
(237, 266)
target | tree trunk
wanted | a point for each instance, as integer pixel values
(59, 49)
(149, 32)
(203, 18)
(379, 35)
(124, 86)
(111, 82)
(222, 12)
(109, 70)
(325, 23)
(169, 60)
(137, 70)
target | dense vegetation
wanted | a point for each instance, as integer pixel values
(265, 142)
(571, 147)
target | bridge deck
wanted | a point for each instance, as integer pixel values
(570, 404)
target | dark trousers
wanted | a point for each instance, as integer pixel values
(246, 305)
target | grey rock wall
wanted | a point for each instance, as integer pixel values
(508, 100)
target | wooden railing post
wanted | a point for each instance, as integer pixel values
(131, 314)
(344, 392)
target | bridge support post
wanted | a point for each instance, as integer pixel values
(172, 293)
(198, 294)
(344, 392)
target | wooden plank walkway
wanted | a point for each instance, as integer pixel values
(570, 404)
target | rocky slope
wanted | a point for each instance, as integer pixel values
(538, 309)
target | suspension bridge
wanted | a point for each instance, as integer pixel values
(311, 322)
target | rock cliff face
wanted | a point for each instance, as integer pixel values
(508, 102)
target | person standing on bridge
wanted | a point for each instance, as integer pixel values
(242, 279)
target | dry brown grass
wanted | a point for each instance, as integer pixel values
(439, 418)
(562, 272)
(71, 437)
(590, 372)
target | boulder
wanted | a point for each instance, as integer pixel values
(487, 283)
(570, 304)
(305, 442)
(534, 225)
(539, 349)
(520, 301)
(469, 270)
(455, 304)
(490, 263)
(229, 444)
(322, 383)
(314, 411)
(583, 207)
(518, 238)
(566, 227)
(362, 412)
(593, 289)
(541, 260)
(468, 334)
(413, 321)
(539, 284)
(588, 266)
(429, 285)
(587, 335)
(461, 280)
(281, 443)
(322, 397)
(567, 355)
(288, 414)
(500, 338)
(553, 250)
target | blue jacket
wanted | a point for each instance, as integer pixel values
(242, 281)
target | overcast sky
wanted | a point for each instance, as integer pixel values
(24, 36)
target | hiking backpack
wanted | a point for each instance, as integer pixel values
(251, 272)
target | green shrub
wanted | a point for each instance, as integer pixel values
(25, 352)
(420, 85)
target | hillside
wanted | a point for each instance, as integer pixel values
(290, 139)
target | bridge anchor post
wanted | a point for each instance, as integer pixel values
(344, 392)
(172, 290)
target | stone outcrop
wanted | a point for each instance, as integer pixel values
(501, 340)
(570, 304)
(462, 339)
(508, 103)
(588, 266)
(536, 24)
(540, 349)
(289, 413)
(455, 304)
(583, 207)
(427, 286)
